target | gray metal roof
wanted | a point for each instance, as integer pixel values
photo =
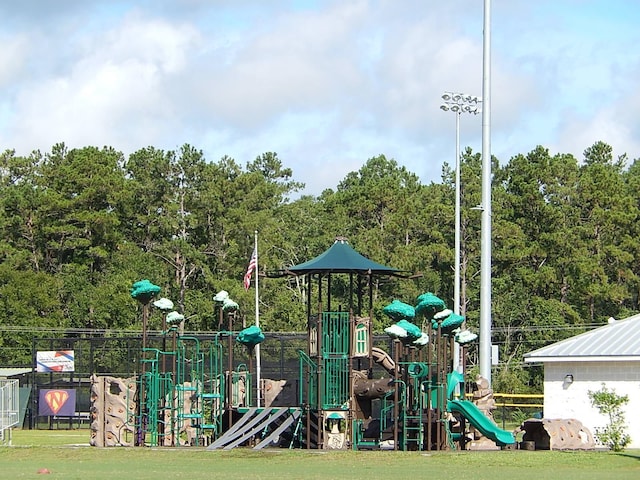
(6, 372)
(619, 340)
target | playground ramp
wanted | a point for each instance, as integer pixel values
(267, 423)
(480, 421)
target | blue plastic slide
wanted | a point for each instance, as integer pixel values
(480, 421)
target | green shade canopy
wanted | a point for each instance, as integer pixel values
(174, 317)
(429, 305)
(341, 258)
(144, 291)
(221, 296)
(163, 304)
(251, 336)
(413, 330)
(398, 310)
(229, 305)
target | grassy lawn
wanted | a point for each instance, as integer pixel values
(66, 454)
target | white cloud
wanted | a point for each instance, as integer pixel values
(12, 55)
(325, 84)
(609, 125)
(111, 92)
(301, 62)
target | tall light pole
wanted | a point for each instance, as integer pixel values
(458, 103)
(485, 231)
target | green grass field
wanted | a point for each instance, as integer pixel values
(66, 454)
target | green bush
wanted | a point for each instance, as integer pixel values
(610, 404)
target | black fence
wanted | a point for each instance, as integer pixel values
(119, 356)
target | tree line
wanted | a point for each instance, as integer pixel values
(80, 226)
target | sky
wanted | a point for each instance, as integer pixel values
(325, 84)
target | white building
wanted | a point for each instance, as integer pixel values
(608, 355)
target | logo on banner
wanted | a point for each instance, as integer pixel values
(55, 361)
(56, 399)
(57, 402)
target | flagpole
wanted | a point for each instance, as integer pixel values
(258, 380)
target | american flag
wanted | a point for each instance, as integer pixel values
(252, 266)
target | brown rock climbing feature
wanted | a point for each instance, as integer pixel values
(556, 434)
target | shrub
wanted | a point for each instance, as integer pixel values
(610, 404)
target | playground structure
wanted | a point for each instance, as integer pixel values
(351, 394)
(185, 396)
(180, 397)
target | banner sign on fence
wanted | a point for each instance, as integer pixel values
(55, 361)
(57, 402)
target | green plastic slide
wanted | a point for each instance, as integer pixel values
(480, 421)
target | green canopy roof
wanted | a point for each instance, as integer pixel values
(341, 258)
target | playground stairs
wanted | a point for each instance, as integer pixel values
(412, 432)
(365, 438)
(187, 391)
(260, 427)
(214, 400)
(309, 434)
(198, 410)
(366, 445)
